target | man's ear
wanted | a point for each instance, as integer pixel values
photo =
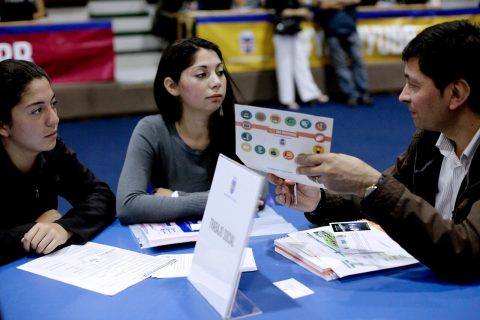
(4, 130)
(171, 86)
(460, 91)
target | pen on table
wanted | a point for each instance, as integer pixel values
(295, 195)
(156, 268)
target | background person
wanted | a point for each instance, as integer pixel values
(338, 20)
(36, 167)
(20, 10)
(246, 4)
(292, 52)
(429, 202)
(214, 4)
(175, 152)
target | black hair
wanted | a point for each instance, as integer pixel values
(177, 57)
(448, 52)
(15, 76)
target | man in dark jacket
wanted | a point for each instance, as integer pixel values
(429, 201)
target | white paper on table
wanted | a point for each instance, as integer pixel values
(293, 288)
(96, 267)
(269, 140)
(181, 267)
(270, 222)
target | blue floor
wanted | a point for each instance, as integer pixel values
(376, 134)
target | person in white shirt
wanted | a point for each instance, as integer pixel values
(429, 201)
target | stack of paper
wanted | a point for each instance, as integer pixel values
(343, 249)
(149, 235)
(159, 234)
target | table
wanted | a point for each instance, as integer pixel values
(407, 293)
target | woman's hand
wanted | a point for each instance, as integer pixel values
(49, 216)
(163, 192)
(44, 237)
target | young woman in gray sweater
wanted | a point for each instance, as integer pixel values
(172, 156)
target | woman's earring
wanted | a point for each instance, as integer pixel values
(221, 110)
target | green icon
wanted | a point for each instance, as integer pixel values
(259, 149)
(246, 136)
(245, 114)
(305, 123)
(290, 121)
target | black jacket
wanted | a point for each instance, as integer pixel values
(337, 23)
(24, 197)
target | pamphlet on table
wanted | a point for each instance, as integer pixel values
(343, 249)
(159, 234)
(149, 235)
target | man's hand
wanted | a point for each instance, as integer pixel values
(339, 173)
(44, 237)
(307, 197)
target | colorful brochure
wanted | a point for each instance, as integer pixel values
(318, 251)
(269, 139)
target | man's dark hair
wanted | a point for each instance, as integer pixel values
(447, 52)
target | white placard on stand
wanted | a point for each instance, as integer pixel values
(226, 226)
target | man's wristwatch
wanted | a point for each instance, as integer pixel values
(369, 190)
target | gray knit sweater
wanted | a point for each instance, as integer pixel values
(158, 158)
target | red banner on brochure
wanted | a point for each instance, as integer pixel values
(70, 52)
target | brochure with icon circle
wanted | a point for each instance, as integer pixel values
(268, 140)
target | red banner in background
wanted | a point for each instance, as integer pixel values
(70, 52)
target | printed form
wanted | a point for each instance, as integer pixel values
(97, 267)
